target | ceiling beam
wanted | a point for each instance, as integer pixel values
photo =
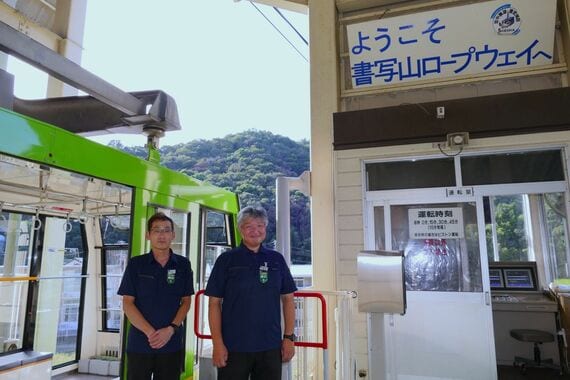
(299, 6)
(20, 22)
(357, 5)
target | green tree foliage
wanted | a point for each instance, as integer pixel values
(510, 229)
(512, 241)
(556, 220)
(248, 164)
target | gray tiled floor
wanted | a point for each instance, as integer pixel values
(505, 373)
(81, 376)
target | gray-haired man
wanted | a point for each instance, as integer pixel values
(246, 288)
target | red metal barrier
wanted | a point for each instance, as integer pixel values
(324, 343)
(302, 294)
(197, 316)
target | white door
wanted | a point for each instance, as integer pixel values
(447, 331)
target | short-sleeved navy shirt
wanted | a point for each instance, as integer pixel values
(251, 309)
(158, 291)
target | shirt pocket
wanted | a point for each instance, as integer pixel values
(146, 285)
(178, 286)
(238, 277)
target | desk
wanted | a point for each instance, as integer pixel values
(523, 310)
(524, 301)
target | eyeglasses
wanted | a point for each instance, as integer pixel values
(161, 230)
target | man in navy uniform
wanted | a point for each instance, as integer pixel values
(247, 287)
(156, 290)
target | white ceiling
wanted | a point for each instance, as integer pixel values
(41, 12)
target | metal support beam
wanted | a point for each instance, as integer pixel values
(108, 109)
(17, 44)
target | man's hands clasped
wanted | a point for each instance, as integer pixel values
(158, 338)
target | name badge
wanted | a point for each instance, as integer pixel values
(170, 276)
(264, 273)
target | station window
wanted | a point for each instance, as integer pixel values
(553, 211)
(410, 174)
(507, 228)
(379, 228)
(529, 227)
(115, 231)
(524, 207)
(519, 167)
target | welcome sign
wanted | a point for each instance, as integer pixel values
(471, 39)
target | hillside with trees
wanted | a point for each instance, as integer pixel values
(247, 163)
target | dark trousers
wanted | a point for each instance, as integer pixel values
(164, 366)
(265, 365)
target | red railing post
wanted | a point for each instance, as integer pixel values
(302, 294)
(197, 316)
(323, 344)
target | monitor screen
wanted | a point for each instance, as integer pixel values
(496, 278)
(519, 278)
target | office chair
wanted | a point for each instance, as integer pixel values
(537, 337)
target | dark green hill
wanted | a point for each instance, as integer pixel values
(248, 163)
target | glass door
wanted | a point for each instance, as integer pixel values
(447, 331)
(60, 289)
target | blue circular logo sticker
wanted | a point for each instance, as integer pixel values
(506, 20)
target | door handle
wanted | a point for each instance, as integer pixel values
(487, 298)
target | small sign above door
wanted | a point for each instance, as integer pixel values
(436, 223)
(459, 191)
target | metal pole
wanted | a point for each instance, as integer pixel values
(283, 218)
(283, 185)
(326, 363)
